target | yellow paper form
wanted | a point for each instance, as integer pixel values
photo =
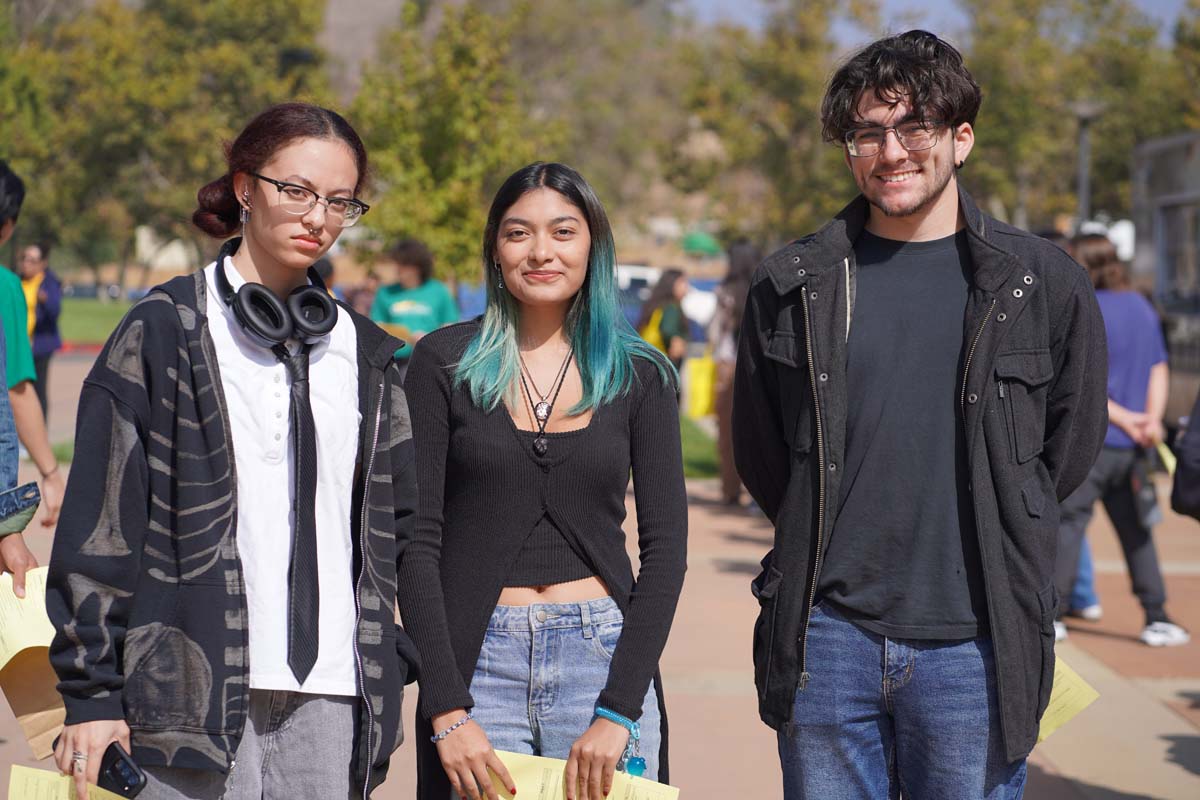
(26, 678)
(40, 784)
(540, 778)
(23, 623)
(1070, 695)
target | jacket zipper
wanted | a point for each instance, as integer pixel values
(362, 681)
(967, 366)
(812, 592)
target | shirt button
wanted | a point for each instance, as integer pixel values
(278, 436)
(278, 414)
(277, 379)
(972, 398)
(277, 394)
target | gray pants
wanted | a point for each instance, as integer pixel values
(1110, 482)
(294, 746)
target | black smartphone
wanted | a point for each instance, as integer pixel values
(119, 774)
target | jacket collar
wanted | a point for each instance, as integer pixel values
(834, 242)
(375, 345)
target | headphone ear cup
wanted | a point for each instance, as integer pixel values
(312, 311)
(262, 316)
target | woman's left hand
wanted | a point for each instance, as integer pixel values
(593, 760)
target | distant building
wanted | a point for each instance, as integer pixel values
(1166, 214)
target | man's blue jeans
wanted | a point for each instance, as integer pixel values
(886, 717)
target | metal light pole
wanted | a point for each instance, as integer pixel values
(1085, 111)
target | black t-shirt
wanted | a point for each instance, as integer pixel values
(903, 558)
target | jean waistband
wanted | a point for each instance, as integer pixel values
(543, 616)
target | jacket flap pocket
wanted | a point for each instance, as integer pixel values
(1034, 497)
(767, 583)
(1031, 367)
(781, 347)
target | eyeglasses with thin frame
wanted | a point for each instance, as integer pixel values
(913, 135)
(298, 200)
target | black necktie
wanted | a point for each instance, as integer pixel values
(304, 600)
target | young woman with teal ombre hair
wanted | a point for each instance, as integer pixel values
(536, 636)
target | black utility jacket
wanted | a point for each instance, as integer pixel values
(1185, 496)
(145, 586)
(1033, 400)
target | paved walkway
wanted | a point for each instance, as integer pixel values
(1139, 741)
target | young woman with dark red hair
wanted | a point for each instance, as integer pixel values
(224, 575)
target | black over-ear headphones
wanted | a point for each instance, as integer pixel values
(309, 313)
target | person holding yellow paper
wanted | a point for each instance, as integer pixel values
(536, 637)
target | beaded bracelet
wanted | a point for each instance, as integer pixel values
(437, 737)
(631, 760)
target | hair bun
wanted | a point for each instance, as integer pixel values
(218, 211)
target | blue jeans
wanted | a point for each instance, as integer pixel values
(1083, 593)
(540, 671)
(17, 503)
(883, 717)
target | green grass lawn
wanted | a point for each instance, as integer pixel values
(699, 451)
(86, 321)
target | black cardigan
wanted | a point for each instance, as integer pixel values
(482, 490)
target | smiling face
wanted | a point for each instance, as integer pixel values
(327, 167)
(543, 244)
(901, 183)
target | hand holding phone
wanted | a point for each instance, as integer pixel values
(119, 774)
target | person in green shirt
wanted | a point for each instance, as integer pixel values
(416, 303)
(19, 373)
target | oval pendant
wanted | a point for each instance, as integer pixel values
(540, 446)
(542, 411)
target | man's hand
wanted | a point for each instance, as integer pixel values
(467, 756)
(82, 746)
(53, 489)
(593, 760)
(16, 558)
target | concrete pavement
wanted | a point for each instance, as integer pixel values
(1139, 741)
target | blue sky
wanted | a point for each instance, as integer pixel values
(940, 17)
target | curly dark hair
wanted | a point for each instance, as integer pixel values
(917, 67)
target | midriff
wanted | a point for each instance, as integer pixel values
(570, 592)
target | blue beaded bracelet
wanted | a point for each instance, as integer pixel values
(631, 761)
(437, 737)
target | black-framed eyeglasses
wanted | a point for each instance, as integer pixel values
(913, 135)
(298, 200)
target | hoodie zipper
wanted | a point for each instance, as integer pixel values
(812, 592)
(362, 681)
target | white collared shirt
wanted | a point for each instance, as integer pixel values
(257, 396)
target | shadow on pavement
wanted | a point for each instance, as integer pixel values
(763, 540)
(1185, 751)
(737, 565)
(1042, 785)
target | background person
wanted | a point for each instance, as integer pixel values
(43, 302)
(415, 300)
(17, 503)
(723, 336)
(528, 423)
(223, 580)
(1137, 395)
(662, 316)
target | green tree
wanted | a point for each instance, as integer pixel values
(769, 174)
(1187, 60)
(444, 126)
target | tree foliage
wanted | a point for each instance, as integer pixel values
(444, 126)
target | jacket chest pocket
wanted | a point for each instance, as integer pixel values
(1023, 378)
(795, 391)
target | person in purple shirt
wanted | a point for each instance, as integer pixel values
(1137, 395)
